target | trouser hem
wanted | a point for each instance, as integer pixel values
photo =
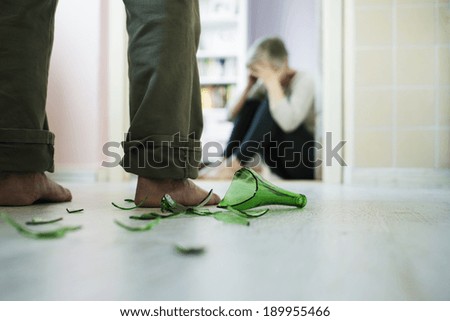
(26, 150)
(162, 157)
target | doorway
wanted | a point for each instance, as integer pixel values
(313, 32)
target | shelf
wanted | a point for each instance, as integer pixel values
(219, 21)
(222, 62)
(223, 44)
(204, 54)
(217, 81)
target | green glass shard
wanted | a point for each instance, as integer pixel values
(200, 212)
(74, 211)
(129, 208)
(145, 217)
(168, 204)
(206, 199)
(54, 234)
(248, 214)
(151, 216)
(124, 208)
(194, 251)
(249, 190)
(144, 228)
(231, 218)
(41, 221)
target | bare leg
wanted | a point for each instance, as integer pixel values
(183, 191)
(20, 189)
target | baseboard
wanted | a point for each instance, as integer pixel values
(91, 175)
(74, 176)
(436, 178)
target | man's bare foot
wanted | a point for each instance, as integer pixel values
(225, 171)
(20, 189)
(182, 191)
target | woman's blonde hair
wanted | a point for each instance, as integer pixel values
(270, 48)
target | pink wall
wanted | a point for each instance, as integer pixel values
(77, 85)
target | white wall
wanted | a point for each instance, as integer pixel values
(296, 22)
(76, 94)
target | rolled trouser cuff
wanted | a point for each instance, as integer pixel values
(162, 157)
(26, 150)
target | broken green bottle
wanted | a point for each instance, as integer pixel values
(249, 190)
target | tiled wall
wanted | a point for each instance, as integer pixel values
(402, 84)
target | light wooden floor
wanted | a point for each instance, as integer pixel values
(349, 243)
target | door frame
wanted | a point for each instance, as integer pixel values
(332, 93)
(118, 88)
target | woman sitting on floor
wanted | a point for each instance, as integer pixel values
(274, 118)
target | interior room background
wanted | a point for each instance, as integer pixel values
(395, 79)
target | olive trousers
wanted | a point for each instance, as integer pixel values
(165, 105)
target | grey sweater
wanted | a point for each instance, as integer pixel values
(296, 108)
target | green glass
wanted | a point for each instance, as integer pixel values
(249, 190)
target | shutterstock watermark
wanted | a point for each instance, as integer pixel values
(182, 152)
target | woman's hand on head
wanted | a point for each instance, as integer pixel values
(287, 77)
(252, 79)
(265, 71)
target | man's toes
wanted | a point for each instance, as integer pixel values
(215, 199)
(67, 195)
(56, 193)
(62, 195)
